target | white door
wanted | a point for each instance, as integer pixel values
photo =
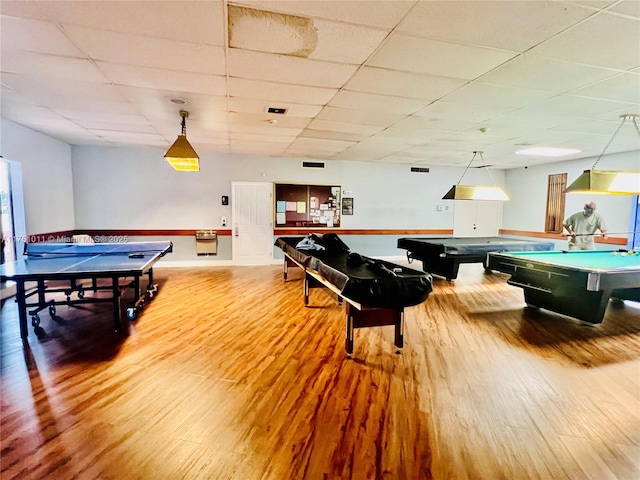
(476, 218)
(251, 222)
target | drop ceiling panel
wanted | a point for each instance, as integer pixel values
(506, 25)
(412, 134)
(257, 148)
(265, 137)
(337, 126)
(478, 93)
(35, 36)
(333, 135)
(275, 92)
(402, 84)
(250, 105)
(265, 129)
(377, 103)
(419, 55)
(20, 8)
(137, 50)
(157, 103)
(130, 137)
(322, 144)
(472, 113)
(82, 116)
(384, 14)
(381, 119)
(44, 90)
(263, 119)
(623, 88)
(422, 123)
(163, 79)
(542, 73)
(548, 71)
(45, 65)
(117, 127)
(196, 22)
(574, 105)
(288, 69)
(612, 42)
(627, 7)
(346, 43)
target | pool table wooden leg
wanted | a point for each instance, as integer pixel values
(349, 332)
(374, 317)
(399, 330)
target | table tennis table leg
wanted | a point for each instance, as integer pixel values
(22, 308)
(136, 286)
(116, 303)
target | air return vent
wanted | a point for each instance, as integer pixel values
(420, 169)
(312, 164)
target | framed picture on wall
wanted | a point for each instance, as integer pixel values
(347, 206)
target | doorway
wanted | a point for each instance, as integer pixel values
(252, 223)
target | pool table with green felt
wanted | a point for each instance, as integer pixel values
(575, 283)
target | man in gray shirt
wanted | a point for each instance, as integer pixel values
(582, 226)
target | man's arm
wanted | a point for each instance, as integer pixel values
(567, 226)
(603, 227)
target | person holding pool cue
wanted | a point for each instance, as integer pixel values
(582, 226)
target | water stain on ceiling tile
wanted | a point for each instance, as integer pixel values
(271, 32)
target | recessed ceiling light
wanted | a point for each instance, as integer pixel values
(547, 151)
(178, 101)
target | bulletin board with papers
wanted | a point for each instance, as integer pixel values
(298, 205)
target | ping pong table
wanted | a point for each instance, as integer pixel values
(72, 262)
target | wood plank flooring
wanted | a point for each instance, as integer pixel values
(226, 375)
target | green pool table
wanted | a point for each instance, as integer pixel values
(575, 283)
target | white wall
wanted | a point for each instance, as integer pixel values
(46, 177)
(527, 189)
(134, 188)
(87, 187)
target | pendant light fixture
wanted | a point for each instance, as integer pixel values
(181, 154)
(608, 182)
(476, 192)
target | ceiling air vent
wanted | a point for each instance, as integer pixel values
(420, 169)
(312, 164)
(276, 110)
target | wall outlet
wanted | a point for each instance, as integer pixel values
(223, 221)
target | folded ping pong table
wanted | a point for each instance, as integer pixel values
(72, 262)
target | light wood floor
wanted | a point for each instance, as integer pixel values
(226, 375)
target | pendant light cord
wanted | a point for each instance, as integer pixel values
(465, 170)
(484, 165)
(633, 119)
